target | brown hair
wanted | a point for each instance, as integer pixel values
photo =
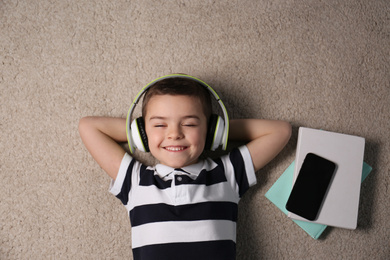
(179, 86)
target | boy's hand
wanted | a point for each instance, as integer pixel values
(266, 138)
(100, 136)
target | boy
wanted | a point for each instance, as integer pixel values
(184, 207)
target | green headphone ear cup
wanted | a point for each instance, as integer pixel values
(211, 131)
(142, 134)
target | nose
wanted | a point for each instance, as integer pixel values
(175, 132)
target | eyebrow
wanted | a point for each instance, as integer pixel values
(184, 117)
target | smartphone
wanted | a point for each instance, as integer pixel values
(310, 187)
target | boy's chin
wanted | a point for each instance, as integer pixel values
(177, 164)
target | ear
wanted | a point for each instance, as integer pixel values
(215, 132)
(138, 134)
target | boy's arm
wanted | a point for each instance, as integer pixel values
(100, 136)
(266, 138)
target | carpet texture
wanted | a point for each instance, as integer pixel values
(318, 64)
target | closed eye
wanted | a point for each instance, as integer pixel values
(191, 122)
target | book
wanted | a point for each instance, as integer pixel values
(280, 191)
(341, 203)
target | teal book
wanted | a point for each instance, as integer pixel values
(279, 192)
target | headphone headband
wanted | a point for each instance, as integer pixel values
(150, 84)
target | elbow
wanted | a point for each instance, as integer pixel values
(285, 131)
(83, 124)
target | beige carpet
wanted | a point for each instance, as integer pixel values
(319, 64)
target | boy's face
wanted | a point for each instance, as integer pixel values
(176, 128)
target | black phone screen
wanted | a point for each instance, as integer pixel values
(310, 186)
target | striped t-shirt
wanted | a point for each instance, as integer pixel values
(188, 213)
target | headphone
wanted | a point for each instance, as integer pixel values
(217, 133)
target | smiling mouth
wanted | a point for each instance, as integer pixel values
(175, 148)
